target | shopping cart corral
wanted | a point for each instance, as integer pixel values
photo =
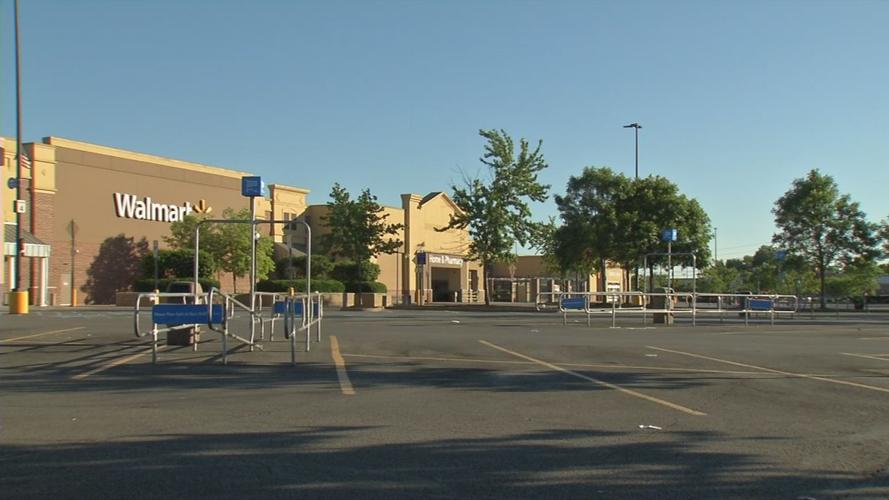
(669, 304)
(173, 313)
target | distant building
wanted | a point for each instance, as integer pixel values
(528, 276)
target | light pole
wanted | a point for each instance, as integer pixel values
(20, 304)
(715, 246)
(637, 127)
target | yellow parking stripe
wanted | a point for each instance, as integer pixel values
(609, 385)
(42, 334)
(342, 375)
(116, 362)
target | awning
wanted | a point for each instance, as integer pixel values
(33, 246)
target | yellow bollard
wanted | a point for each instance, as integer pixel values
(74, 298)
(292, 292)
(18, 302)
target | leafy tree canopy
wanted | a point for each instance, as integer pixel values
(824, 227)
(358, 228)
(607, 216)
(496, 212)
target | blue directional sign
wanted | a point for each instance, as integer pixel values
(12, 183)
(669, 234)
(252, 186)
(185, 314)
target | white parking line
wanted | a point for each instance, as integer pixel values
(866, 356)
(609, 385)
(772, 370)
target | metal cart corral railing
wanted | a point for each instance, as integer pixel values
(668, 303)
(216, 310)
(310, 311)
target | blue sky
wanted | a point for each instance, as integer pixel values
(736, 99)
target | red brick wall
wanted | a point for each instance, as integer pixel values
(41, 225)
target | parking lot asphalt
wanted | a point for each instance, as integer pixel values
(448, 404)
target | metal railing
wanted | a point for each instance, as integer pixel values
(156, 328)
(229, 306)
(310, 309)
(266, 313)
(667, 303)
(189, 311)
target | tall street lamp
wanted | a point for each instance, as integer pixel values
(637, 127)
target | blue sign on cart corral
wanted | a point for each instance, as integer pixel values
(281, 308)
(574, 303)
(185, 314)
(298, 309)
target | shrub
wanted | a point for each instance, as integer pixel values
(349, 271)
(299, 285)
(365, 287)
(147, 284)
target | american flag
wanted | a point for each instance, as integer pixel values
(26, 162)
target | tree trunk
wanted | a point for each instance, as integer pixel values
(650, 278)
(485, 278)
(234, 283)
(821, 274)
(603, 275)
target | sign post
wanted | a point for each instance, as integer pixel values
(669, 235)
(154, 253)
(252, 186)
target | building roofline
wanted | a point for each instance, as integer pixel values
(87, 147)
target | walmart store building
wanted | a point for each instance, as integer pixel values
(79, 195)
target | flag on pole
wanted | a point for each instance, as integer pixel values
(26, 162)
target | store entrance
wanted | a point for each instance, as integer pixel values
(445, 282)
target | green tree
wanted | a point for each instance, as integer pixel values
(358, 228)
(182, 238)
(607, 216)
(856, 281)
(884, 235)
(592, 231)
(496, 212)
(719, 278)
(234, 248)
(824, 227)
(657, 204)
(178, 263)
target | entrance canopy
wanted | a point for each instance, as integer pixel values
(34, 247)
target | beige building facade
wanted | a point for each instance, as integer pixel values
(83, 199)
(432, 265)
(82, 196)
(528, 276)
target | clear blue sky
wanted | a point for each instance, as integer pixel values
(736, 99)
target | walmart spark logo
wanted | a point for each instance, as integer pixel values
(202, 207)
